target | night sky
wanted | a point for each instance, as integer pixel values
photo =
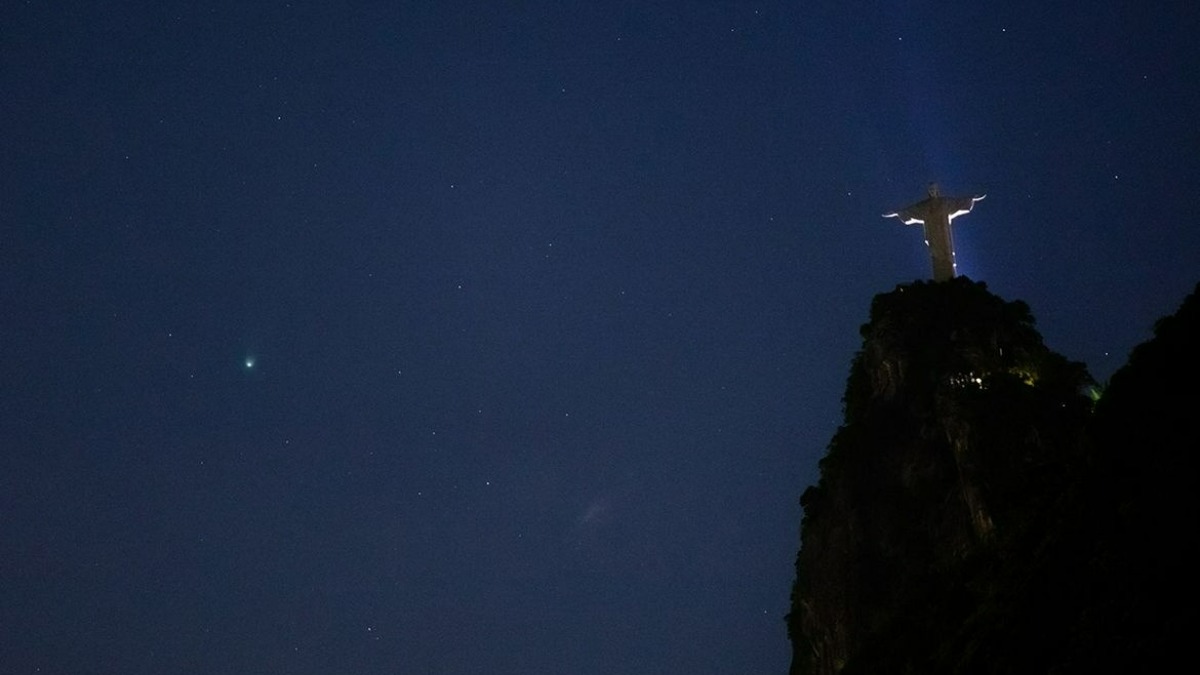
(502, 337)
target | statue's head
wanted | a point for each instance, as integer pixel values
(933, 190)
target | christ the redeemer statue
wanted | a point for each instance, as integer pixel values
(935, 213)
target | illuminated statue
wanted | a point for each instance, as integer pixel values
(935, 213)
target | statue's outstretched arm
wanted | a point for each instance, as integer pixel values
(905, 218)
(961, 205)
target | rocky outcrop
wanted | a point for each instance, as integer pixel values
(962, 431)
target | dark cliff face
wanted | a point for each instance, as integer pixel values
(977, 513)
(1138, 510)
(960, 425)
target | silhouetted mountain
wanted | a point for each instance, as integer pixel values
(977, 513)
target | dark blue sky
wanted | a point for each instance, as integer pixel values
(502, 337)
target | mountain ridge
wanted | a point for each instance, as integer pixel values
(961, 523)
